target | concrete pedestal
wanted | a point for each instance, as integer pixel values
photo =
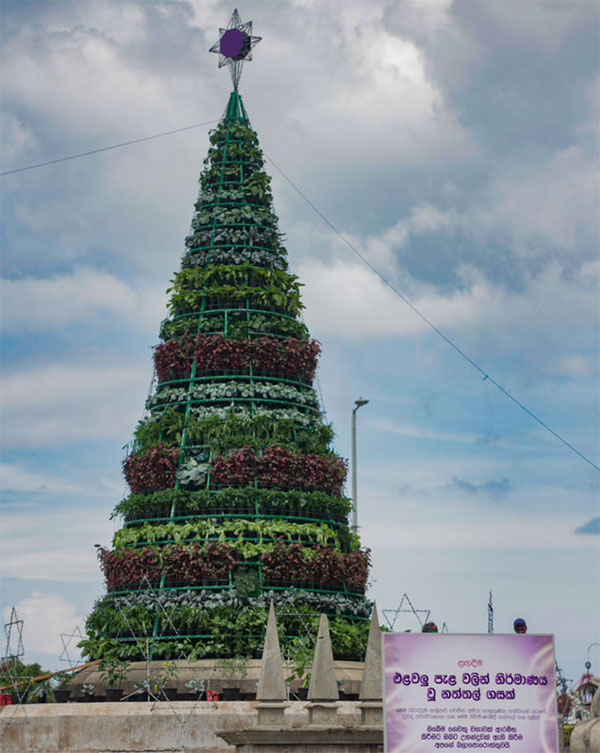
(308, 740)
(166, 727)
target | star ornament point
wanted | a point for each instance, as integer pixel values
(234, 46)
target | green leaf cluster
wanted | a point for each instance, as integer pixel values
(186, 301)
(227, 630)
(224, 390)
(239, 325)
(205, 502)
(266, 287)
(226, 429)
(232, 274)
(232, 532)
(244, 214)
(258, 257)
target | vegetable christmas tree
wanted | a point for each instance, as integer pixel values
(236, 494)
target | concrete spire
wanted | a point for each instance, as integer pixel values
(370, 687)
(323, 690)
(271, 685)
(323, 685)
(371, 708)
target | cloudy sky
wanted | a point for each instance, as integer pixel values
(454, 145)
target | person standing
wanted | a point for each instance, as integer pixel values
(520, 626)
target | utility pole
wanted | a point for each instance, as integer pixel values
(358, 404)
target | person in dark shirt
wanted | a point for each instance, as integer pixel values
(520, 626)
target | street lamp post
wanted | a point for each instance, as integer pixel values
(358, 404)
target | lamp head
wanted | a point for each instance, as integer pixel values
(360, 402)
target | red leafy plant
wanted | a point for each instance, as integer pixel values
(189, 564)
(290, 356)
(281, 468)
(236, 470)
(357, 566)
(285, 563)
(323, 566)
(173, 357)
(193, 563)
(152, 471)
(126, 567)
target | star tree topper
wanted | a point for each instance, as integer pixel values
(235, 46)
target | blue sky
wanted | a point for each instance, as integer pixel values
(455, 145)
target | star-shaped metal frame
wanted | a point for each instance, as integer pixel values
(234, 46)
(17, 624)
(396, 612)
(10, 665)
(66, 639)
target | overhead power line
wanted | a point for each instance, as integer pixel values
(106, 148)
(365, 261)
(430, 324)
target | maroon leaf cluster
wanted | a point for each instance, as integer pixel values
(153, 471)
(189, 564)
(290, 356)
(326, 568)
(280, 468)
(127, 566)
(193, 564)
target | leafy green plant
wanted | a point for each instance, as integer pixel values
(246, 581)
(219, 430)
(235, 668)
(61, 679)
(15, 676)
(168, 674)
(300, 652)
(113, 670)
(209, 501)
(196, 686)
(204, 530)
(192, 473)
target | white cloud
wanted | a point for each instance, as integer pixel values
(426, 218)
(573, 366)
(68, 401)
(348, 300)
(54, 542)
(545, 25)
(33, 304)
(45, 616)
(487, 531)
(424, 508)
(554, 312)
(18, 479)
(79, 76)
(552, 204)
(419, 432)
(16, 137)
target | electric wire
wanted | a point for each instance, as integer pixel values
(106, 148)
(365, 261)
(436, 329)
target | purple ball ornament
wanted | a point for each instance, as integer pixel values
(235, 44)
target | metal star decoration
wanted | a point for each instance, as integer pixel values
(14, 648)
(411, 610)
(235, 46)
(66, 639)
(11, 661)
